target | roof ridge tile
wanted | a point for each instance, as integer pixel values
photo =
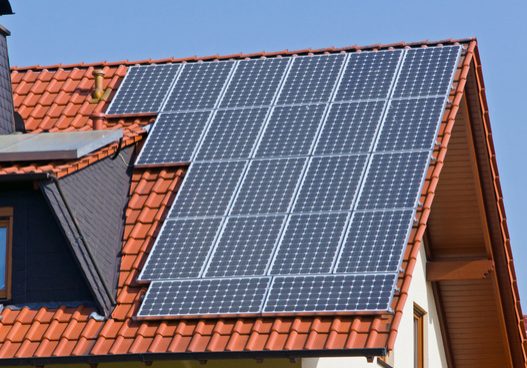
(223, 57)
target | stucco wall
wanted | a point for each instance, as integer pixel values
(421, 294)
(337, 363)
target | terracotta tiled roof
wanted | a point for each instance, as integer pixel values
(65, 331)
(60, 99)
(47, 332)
(57, 98)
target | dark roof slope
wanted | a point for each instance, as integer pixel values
(90, 206)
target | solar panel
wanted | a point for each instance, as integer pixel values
(175, 138)
(204, 296)
(144, 89)
(207, 189)
(393, 181)
(245, 246)
(198, 86)
(375, 241)
(300, 250)
(291, 131)
(311, 79)
(411, 124)
(350, 128)
(368, 75)
(330, 293)
(181, 249)
(427, 72)
(330, 183)
(305, 173)
(269, 186)
(255, 82)
(232, 134)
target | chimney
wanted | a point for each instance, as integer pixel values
(7, 117)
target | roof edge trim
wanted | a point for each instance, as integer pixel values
(150, 357)
(508, 266)
(431, 191)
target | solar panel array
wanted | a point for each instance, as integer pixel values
(305, 178)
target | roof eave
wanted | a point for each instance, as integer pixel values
(199, 356)
(507, 297)
(509, 294)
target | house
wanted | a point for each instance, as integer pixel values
(80, 222)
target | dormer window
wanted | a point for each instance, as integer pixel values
(6, 231)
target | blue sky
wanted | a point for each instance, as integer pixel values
(65, 31)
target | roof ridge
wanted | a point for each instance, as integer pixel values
(242, 55)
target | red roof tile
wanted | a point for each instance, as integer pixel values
(57, 98)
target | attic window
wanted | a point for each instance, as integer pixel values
(6, 226)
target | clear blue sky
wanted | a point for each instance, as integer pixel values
(66, 31)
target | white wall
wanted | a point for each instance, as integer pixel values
(421, 294)
(337, 363)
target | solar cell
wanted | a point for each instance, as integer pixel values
(368, 75)
(144, 89)
(207, 189)
(427, 71)
(350, 128)
(375, 241)
(174, 139)
(232, 134)
(245, 246)
(330, 183)
(330, 293)
(204, 296)
(309, 244)
(411, 124)
(181, 249)
(291, 130)
(311, 79)
(198, 86)
(393, 180)
(269, 186)
(255, 82)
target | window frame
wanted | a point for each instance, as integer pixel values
(6, 220)
(419, 340)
